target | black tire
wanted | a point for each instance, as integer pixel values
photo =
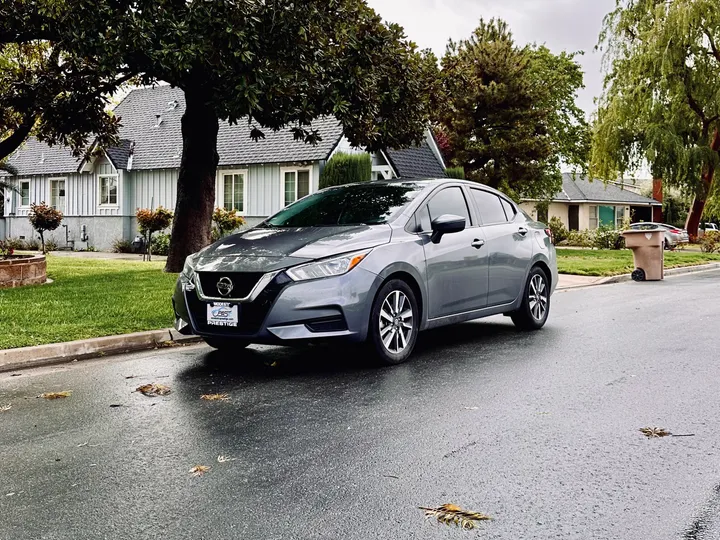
(398, 327)
(226, 344)
(531, 316)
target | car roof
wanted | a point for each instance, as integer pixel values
(427, 183)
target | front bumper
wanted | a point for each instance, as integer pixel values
(286, 311)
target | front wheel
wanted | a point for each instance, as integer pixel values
(394, 323)
(535, 306)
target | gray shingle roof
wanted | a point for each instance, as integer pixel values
(580, 188)
(120, 154)
(35, 157)
(416, 162)
(151, 119)
(161, 147)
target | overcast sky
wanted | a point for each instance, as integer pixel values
(571, 25)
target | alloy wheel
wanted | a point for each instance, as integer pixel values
(538, 297)
(396, 322)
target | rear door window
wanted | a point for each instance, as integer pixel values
(449, 201)
(489, 206)
(510, 211)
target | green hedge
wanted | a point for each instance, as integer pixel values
(455, 172)
(346, 169)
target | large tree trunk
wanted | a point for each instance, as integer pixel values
(696, 210)
(196, 183)
(13, 142)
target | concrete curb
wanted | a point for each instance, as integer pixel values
(668, 273)
(59, 353)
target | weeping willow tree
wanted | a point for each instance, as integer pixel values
(661, 101)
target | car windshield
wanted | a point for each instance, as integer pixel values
(368, 204)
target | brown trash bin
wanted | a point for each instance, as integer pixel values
(648, 255)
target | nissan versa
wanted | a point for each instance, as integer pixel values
(375, 262)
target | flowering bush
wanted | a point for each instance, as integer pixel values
(44, 218)
(225, 221)
(150, 221)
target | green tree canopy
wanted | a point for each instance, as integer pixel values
(661, 103)
(507, 114)
(278, 65)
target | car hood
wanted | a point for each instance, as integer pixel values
(267, 250)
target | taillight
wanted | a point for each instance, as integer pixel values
(550, 235)
(675, 231)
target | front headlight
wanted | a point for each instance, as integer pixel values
(189, 266)
(336, 266)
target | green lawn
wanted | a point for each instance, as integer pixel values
(585, 262)
(88, 298)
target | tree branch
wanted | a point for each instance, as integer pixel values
(694, 105)
(13, 142)
(713, 45)
(111, 86)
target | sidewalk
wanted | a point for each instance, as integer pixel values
(104, 255)
(568, 281)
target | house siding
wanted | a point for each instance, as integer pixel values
(152, 188)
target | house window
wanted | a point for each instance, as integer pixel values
(24, 193)
(234, 191)
(296, 185)
(108, 189)
(619, 216)
(593, 217)
(57, 193)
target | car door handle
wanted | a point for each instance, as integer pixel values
(523, 231)
(477, 243)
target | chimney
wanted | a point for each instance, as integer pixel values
(657, 193)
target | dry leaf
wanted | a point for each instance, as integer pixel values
(450, 514)
(225, 459)
(199, 470)
(7, 407)
(153, 389)
(654, 433)
(56, 395)
(214, 397)
(471, 408)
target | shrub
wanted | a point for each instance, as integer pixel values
(16, 243)
(160, 244)
(710, 242)
(32, 244)
(225, 222)
(607, 237)
(584, 239)
(150, 221)
(44, 218)
(122, 246)
(5, 249)
(559, 231)
(50, 245)
(346, 169)
(455, 172)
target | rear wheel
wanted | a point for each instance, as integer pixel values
(535, 307)
(226, 344)
(394, 322)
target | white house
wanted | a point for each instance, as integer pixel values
(100, 197)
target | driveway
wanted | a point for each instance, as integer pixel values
(540, 431)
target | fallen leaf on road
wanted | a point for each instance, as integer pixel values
(153, 389)
(7, 407)
(215, 397)
(225, 459)
(199, 470)
(450, 514)
(471, 408)
(654, 433)
(56, 395)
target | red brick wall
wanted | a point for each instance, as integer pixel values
(17, 272)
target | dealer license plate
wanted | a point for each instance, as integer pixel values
(222, 314)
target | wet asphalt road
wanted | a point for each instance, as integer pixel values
(538, 430)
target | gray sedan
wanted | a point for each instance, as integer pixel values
(376, 263)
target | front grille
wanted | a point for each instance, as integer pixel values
(243, 283)
(252, 314)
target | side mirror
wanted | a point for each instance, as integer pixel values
(446, 224)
